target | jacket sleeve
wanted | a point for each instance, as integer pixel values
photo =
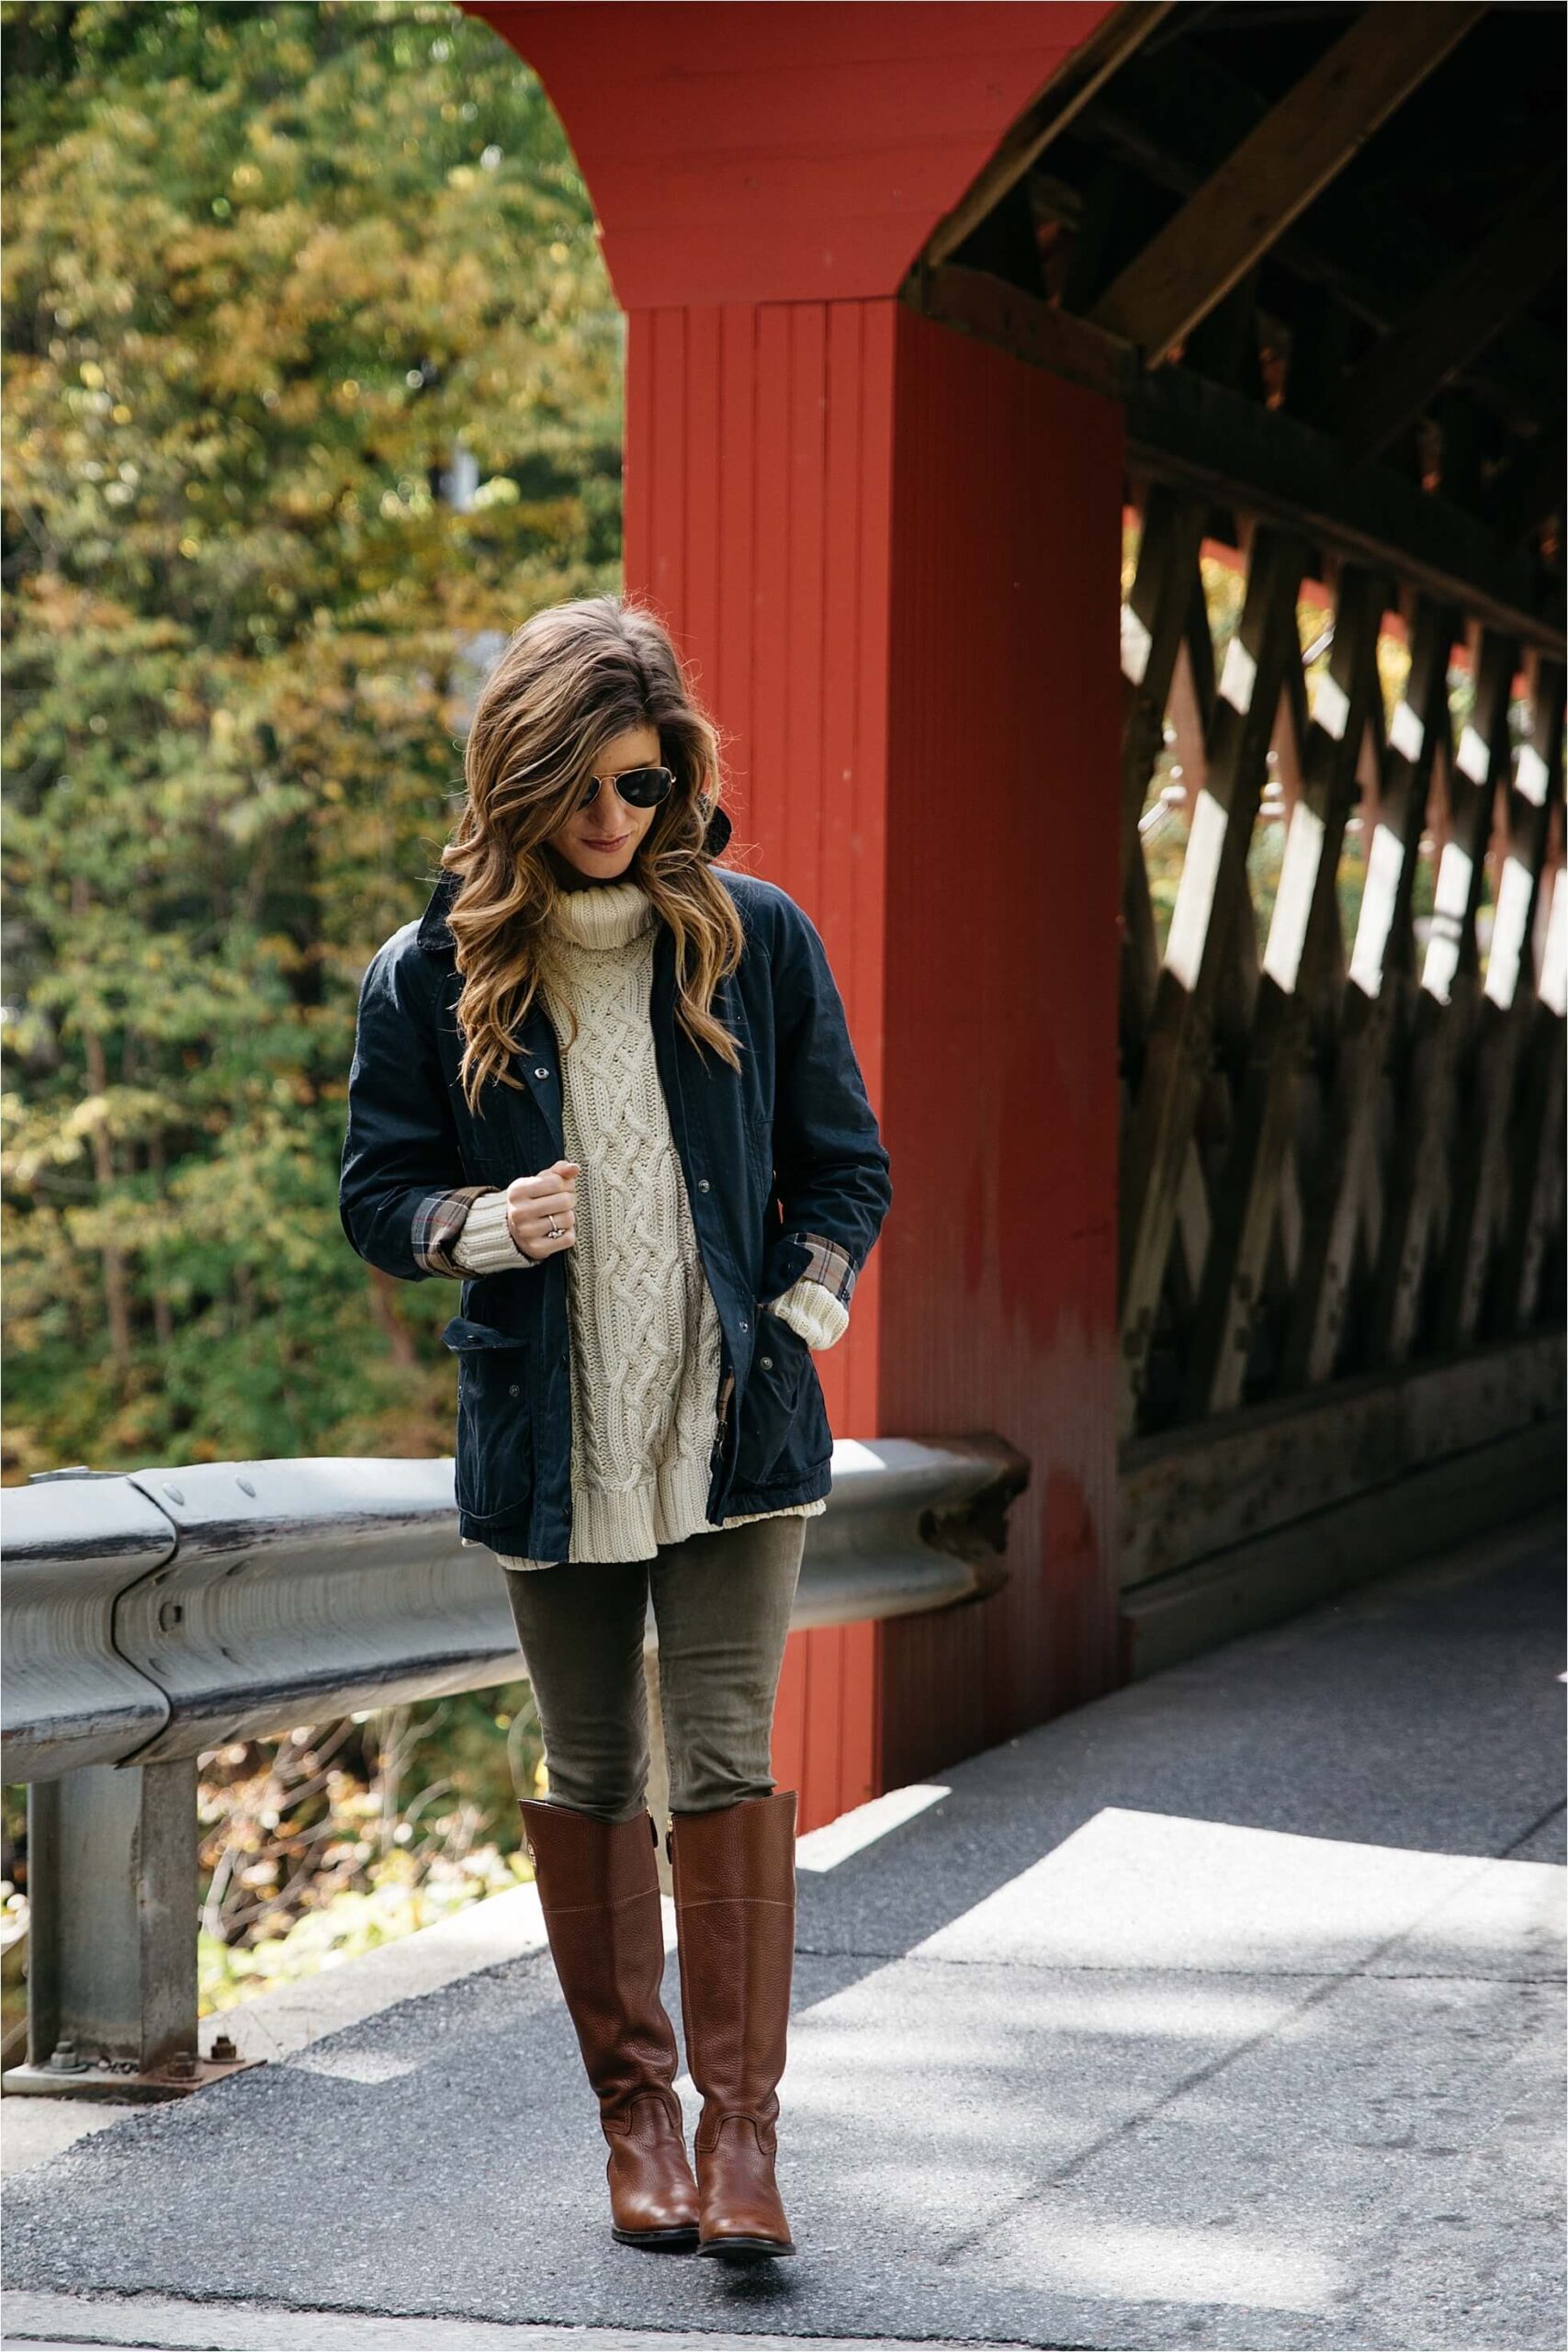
(830, 1162)
(404, 1196)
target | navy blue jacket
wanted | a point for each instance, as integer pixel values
(785, 1172)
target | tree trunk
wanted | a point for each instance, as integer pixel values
(388, 1322)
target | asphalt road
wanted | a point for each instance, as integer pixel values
(1224, 2012)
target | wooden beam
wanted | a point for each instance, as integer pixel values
(1395, 1516)
(1199, 435)
(1367, 257)
(1034, 331)
(1442, 1033)
(1270, 180)
(1211, 903)
(1186, 1494)
(1337, 1204)
(1535, 1190)
(1164, 611)
(1229, 451)
(1532, 488)
(1080, 73)
(1453, 321)
(1302, 937)
(1534, 789)
(1153, 621)
(1478, 1187)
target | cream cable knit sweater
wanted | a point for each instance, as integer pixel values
(645, 1332)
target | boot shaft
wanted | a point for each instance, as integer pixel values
(735, 1907)
(598, 1886)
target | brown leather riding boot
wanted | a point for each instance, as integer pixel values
(598, 1884)
(735, 1921)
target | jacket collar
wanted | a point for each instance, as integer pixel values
(435, 935)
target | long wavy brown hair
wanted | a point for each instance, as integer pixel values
(569, 681)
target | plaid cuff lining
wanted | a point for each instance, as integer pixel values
(829, 1263)
(438, 1221)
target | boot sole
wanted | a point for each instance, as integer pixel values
(744, 2249)
(675, 2240)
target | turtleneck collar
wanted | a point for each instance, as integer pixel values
(602, 914)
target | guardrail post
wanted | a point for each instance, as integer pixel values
(111, 1941)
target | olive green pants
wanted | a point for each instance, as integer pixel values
(721, 1605)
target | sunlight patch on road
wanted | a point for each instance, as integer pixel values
(1133, 1890)
(824, 1848)
(1144, 2263)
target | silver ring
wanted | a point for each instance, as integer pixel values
(554, 1231)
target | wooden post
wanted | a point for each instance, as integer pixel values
(1211, 902)
(1478, 1187)
(1338, 1192)
(1303, 935)
(1444, 1013)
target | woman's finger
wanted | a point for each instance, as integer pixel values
(547, 1180)
(540, 1221)
(552, 1196)
(550, 1204)
(530, 1225)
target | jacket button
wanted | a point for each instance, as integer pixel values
(515, 1390)
(766, 1362)
(541, 1073)
(745, 1327)
(703, 1186)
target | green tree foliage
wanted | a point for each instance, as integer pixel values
(314, 384)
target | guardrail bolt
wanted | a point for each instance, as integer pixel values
(182, 2066)
(67, 2059)
(224, 2051)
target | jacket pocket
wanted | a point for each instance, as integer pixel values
(784, 1428)
(493, 1469)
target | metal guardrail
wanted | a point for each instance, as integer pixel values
(154, 1614)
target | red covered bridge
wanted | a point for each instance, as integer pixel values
(1109, 488)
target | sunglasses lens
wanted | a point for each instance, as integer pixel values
(644, 787)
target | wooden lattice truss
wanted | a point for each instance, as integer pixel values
(1338, 1151)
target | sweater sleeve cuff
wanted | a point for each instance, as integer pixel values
(485, 1245)
(813, 1311)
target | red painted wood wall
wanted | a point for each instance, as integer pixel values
(998, 1292)
(890, 556)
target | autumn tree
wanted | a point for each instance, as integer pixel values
(313, 384)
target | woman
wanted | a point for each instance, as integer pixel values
(610, 1085)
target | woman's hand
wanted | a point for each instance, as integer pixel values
(535, 1202)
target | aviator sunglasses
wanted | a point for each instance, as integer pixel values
(639, 788)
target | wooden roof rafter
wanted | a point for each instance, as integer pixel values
(1325, 325)
(1070, 88)
(1278, 169)
(1346, 270)
(1454, 320)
